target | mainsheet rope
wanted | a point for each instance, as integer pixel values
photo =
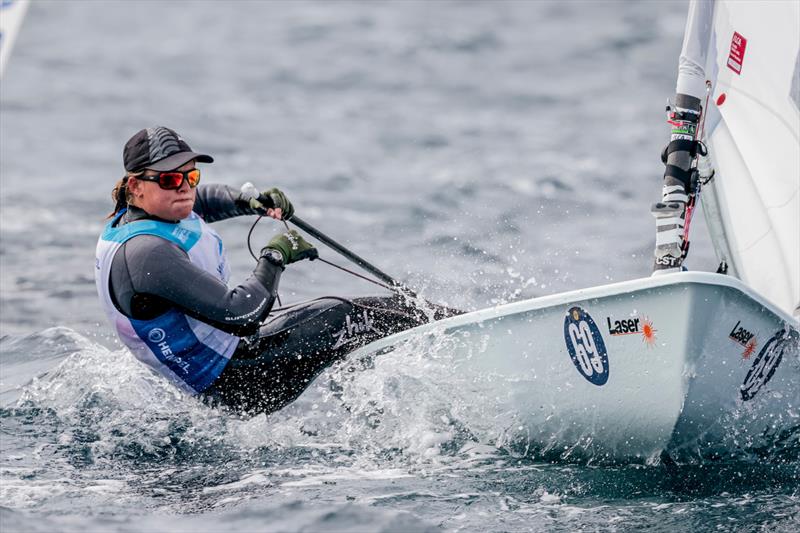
(356, 274)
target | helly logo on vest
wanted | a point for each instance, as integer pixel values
(157, 336)
(181, 234)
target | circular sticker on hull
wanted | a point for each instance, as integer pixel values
(586, 347)
(765, 365)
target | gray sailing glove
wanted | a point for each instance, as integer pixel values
(292, 246)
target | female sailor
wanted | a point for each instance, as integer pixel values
(162, 274)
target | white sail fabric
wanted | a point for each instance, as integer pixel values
(11, 14)
(750, 52)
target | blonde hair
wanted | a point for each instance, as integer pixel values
(120, 193)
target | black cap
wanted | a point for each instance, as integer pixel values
(159, 148)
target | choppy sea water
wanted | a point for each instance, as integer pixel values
(484, 152)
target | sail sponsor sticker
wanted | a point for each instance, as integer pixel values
(765, 364)
(586, 346)
(736, 55)
(746, 338)
(639, 325)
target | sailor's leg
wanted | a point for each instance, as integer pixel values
(670, 212)
(268, 372)
(295, 347)
(398, 313)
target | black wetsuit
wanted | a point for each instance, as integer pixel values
(278, 356)
(149, 275)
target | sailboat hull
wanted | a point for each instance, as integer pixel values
(694, 364)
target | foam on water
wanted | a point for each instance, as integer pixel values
(387, 433)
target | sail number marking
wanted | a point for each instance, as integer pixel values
(585, 346)
(765, 364)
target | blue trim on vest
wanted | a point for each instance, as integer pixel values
(185, 234)
(169, 336)
(174, 343)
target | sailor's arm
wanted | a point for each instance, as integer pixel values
(216, 202)
(149, 275)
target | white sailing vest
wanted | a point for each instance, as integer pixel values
(190, 353)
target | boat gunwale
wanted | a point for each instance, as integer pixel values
(612, 289)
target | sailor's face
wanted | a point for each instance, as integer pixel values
(168, 204)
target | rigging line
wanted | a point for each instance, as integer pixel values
(319, 298)
(250, 249)
(702, 131)
(356, 274)
(690, 206)
(250, 234)
(361, 305)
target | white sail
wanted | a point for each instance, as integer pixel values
(11, 14)
(750, 52)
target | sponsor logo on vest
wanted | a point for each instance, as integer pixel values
(586, 346)
(351, 328)
(223, 264)
(764, 365)
(166, 351)
(745, 338)
(181, 234)
(157, 336)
